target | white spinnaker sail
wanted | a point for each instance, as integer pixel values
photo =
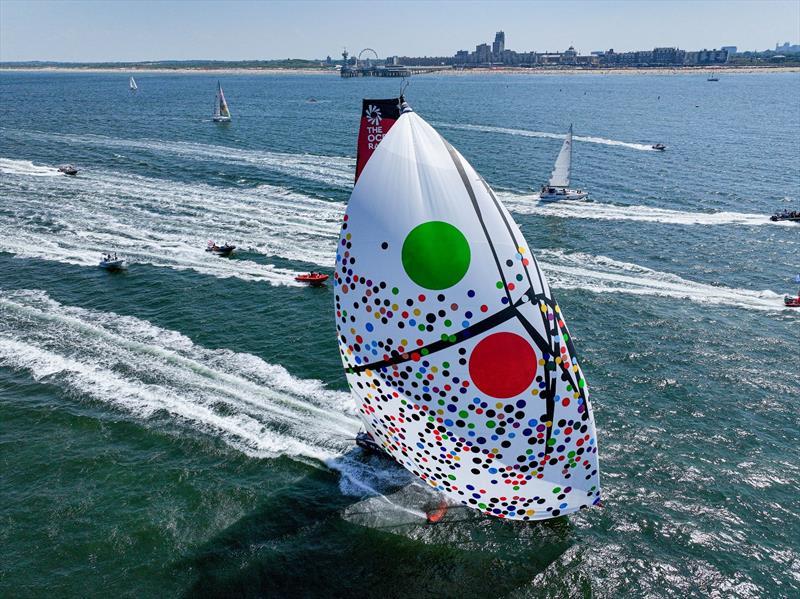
(132, 84)
(560, 176)
(459, 358)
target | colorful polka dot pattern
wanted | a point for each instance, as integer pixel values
(471, 384)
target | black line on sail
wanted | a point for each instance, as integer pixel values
(555, 347)
(553, 342)
(484, 325)
(471, 192)
(550, 384)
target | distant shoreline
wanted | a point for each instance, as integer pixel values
(705, 70)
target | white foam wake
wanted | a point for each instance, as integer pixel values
(331, 170)
(150, 372)
(9, 166)
(600, 274)
(165, 223)
(547, 135)
(530, 204)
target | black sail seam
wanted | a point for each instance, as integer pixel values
(551, 303)
(484, 325)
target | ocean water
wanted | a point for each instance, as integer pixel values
(184, 428)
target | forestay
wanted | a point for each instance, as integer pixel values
(459, 358)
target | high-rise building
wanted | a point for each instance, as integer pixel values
(483, 54)
(499, 44)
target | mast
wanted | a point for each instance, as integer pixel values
(216, 101)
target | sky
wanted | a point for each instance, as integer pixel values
(139, 30)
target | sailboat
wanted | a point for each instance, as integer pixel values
(459, 358)
(558, 186)
(132, 84)
(221, 112)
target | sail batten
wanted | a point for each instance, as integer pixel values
(561, 170)
(458, 355)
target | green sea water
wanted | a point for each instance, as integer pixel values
(184, 428)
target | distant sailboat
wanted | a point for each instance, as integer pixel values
(221, 112)
(132, 84)
(558, 187)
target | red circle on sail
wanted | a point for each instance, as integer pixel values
(502, 365)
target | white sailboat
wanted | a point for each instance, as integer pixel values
(132, 84)
(221, 112)
(558, 186)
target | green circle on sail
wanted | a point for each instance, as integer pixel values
(436, 255)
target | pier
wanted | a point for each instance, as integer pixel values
(365, 67)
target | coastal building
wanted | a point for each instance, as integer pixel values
(731, 50)
(667, 56)
(787, 48)
(497, 54)
(499, 44)
(483, 54)
(705, 57)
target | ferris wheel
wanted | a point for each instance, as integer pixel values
(370, 59)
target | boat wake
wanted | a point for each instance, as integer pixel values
(547, 135)
(529, 204)
(335, 171)
(166, 224)
(162, 377)
(9, 166)
(600, 274)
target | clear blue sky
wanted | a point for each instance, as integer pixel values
(80, 30)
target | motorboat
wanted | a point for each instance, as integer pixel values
(435, 515)
(792, 302)
(315, 279)
(659, 147)
(558, 186)
(790, 215)
(220, 250)
(112, 262)
(68, 169)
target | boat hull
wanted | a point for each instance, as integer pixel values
(221, 119)
(113, 265)
(568, 194)
(314, 281)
